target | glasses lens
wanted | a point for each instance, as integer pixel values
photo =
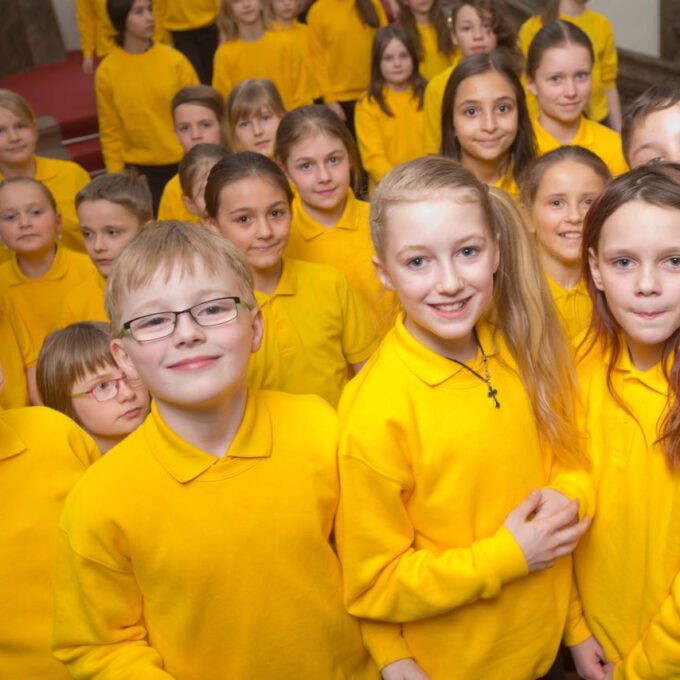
(215, 312)
(153, 326)
(105, 390)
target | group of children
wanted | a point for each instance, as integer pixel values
(301, 395)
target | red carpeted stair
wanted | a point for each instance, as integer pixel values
(64, 92)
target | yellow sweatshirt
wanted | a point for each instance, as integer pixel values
(179, 15)
(429, 471)
(85, 301)
(386, 141)
(64, 179)
(172, 205)
(300, 35)
(432, 111)
(573, 305)
(434, 61)
(42, 455)
(17, 353)
(34, 299)
(211, 567)
(599, 29)
(274, 56)
(627, 566)
(134, 92)
(340, 45)
(348, 247)
(601, 140)
(315, 325)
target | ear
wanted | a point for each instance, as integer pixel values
(531, 85)
(258, 329)
(190, 205)
(595, 269)
(382, 274)
(122, 358)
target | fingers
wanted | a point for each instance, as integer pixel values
(562, 518)
(529, 504)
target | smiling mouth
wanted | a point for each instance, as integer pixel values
(571, 235)
(450, 307)
(132, 413)
(649, 315)
(194, 363)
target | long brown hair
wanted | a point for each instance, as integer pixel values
(657, 185)
(367, 13)
(436, 17)
(382, 39)
(550, 12)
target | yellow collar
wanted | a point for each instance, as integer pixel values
(58, 269)
(309, 228)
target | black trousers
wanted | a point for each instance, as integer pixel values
(157, 176)
(557, 670)
(198, 45)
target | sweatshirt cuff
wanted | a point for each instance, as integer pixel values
(505, 557)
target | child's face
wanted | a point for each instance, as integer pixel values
(656, 138)
(485, 117)
(396, 64)
(258, 133)
(17, 139)
(562, 82)
(140, 21)
(439, 259)
(473, 33)
(196, 124)
(255, 216)
(195, 367)
(107, 228)
(246, 12)
(284, 10)
(565, 193)
(319, 167)
(637, 267)
(28, 224)
(124, 408)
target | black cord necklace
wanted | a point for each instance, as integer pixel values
(486, 378)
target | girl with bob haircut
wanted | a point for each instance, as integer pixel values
(389, 118)
(330, 225)
(558, 190)
(77, 375)
(18, 158)
(462, 475)
(627, 567)
(254, 111)
(558, 73)
(198, 115)
(486, 87)
(426, 24)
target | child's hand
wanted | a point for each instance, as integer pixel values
(543, 540)
(609, 669)
(404, 669)
(589, 659)
(88, 65)
(551, 502)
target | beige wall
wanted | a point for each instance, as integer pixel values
(636, 23)
(66, 16)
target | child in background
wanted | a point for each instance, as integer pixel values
(249, 486)
(42, 455)
(134, 86)
(604, 105)
(476, 26)
(112, 210)
(284, 15)
(426, 23)
(41, 271)
(198, 114)
(330, 225)
(251, 50)
(254, 111)
(17, 361)
(389, 118)
(485, 124)
(317, 330)
(77, 376)
(558, 190)
(193, 174)
(64, 179)
(458, 449)
(558, 71)
(627, 567)
(651, 126)
(341, 35)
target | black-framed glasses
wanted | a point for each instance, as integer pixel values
(162, 324)
(105, 390)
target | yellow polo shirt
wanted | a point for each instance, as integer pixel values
(429, 470)
(232, 575)
(85, 301)
(179, 15)
(348, 247)
(433, 61)
(315, 326)
(432, 110)
(627, 566)
(172, 205)
(35, 300)
(17, 353)
(385, 141)
(601, 140)
(42, 455)
(574, 306)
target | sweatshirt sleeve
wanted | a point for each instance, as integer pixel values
(384, 642)
(110, 125)
(371, 145)
(319, 53)
(432, 120)
(609, 56)
(86, 18)
(576, 629)
(222, 81)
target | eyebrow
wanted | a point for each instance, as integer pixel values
(247, 207)
(470, 238)
(479, 101)
(310, 158)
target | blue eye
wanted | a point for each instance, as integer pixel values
(416, 262)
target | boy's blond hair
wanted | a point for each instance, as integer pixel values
(167, 247)
(126, 189)
(66, 357)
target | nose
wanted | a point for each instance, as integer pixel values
(195, 132)
(569, 87)
(647, 282)
(449, 280)
(574, 212)
(125, 392)
(187, 331)
(13, 132)
(477, 32)
(257, 127)
(264, 230)
(99, 243)
(488, 121)
(323, 175)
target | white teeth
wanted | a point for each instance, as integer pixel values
(571, 234)
(452, 307)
